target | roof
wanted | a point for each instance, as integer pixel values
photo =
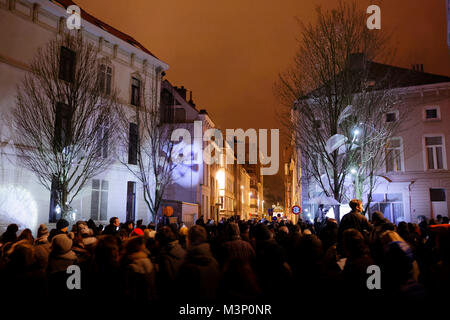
(90, 18)
(385, 76)
(402, 77)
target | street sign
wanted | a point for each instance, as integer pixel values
(296, 209)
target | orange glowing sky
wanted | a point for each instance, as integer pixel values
(229, 52)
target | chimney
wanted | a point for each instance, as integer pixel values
(181, 91)
(191, 102)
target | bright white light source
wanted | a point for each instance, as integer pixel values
(355, 132)
(18, 206)
(353, 171)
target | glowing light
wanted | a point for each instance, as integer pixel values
(355, 132)
(58, 209)
(18, 206)
(353, 171)
(220, 177)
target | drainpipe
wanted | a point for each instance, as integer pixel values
(409, 194)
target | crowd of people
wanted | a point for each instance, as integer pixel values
(229, 261)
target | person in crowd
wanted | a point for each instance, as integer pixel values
(113, 227)
(60, 258)
(129, 227)
(104, 275)
(199, 274)
(353, 220)
(62, 227)
(235, 247)
(138, 272)
(358, 259)
(270, 259)
(400, 270)
(27, 235)
(171, 258)
(42, 247)
(10, 235)
(20, 278)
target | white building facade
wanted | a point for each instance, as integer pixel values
(26, 26)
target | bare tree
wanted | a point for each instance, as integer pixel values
(330, 92)
(153, 156)
(65, 119)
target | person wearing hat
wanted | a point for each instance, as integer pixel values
(61, 254)
(42, 247)
(60, 258)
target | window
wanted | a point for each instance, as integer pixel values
(102, 141)
(63, 121)
(432, 113)
(131, 201)
(437, 194)
(135, 91)
(390, 204)
(66, 64)
(133, 143)
(393, 155)
(391, 116)
(99, 200)
(105, 78)
(435, 152)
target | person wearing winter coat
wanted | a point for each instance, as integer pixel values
(42, 247)
(60, 258)
(235, 247)
(138, 272)
(171, 258)
(199, 275)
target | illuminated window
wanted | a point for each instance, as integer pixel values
(435, 152)
(99, 200)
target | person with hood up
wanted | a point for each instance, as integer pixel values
(199, 275)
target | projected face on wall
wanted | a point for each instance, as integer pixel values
(188, 170)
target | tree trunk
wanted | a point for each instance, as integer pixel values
(336, 209)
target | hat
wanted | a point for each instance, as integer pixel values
(137, 232)
(61, 245)
(61, 224)
(42, 231)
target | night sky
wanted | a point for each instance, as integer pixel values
(230, 52)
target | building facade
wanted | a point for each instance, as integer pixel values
(414, 180)
(27, 26)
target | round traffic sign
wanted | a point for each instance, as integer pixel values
(296, 209)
